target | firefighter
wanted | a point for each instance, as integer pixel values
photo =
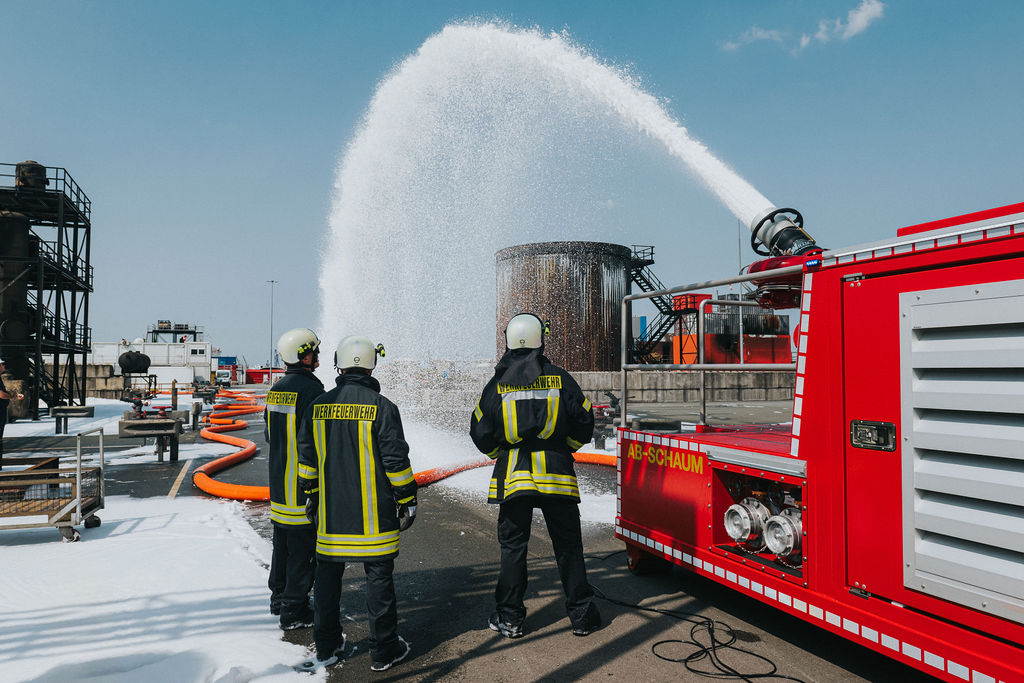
(355, 461)
(5, 398)
(531, 416)
(293, 560)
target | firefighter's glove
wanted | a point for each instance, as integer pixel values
(406, 514)
(312, 506)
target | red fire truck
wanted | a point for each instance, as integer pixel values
(891, 510)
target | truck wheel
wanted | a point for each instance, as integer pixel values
(70, 534)
(92, 522)
(640, 562)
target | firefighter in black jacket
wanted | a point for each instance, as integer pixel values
(353, 453)
(5, 398)
(531, 416)
(293, 561)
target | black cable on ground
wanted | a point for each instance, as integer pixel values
(702, 626)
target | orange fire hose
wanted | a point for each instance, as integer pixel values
(224, 422)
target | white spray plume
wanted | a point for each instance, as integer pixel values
(474, 143)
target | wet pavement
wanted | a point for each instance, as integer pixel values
(447, 569)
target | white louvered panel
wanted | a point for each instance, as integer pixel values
(994, 524)
(955, 474)
(996, 310)
(953, 559)
(962, 395)
(989, 395)
(981, 352)
(976, 433)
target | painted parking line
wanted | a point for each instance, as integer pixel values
(180, 478)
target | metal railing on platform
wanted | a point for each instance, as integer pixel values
(695, 367)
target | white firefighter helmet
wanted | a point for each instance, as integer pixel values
(357, 352)
(525, 331)
(294, 344)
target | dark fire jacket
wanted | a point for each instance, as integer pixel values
(352, 449)
(532, 432)
(287, 401)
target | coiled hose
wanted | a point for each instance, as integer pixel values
(245, 404)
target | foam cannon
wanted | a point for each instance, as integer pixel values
(780, 232)
(779, 235)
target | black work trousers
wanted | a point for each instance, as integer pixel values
(563, 521)
(291, 570)
(381, 606)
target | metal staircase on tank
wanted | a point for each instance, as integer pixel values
(640, 272)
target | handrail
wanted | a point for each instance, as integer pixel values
(763, 275)
(62, 183)
(78, 470)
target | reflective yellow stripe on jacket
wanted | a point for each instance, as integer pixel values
(357, 544)
(536, 479)
(508, 418)
(289, 512)
(367, 478)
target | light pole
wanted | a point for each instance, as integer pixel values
(270, 363)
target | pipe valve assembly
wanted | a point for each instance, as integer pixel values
(780, 232)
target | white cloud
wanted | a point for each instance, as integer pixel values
(752, 35)
(857, 21)
(825, 30)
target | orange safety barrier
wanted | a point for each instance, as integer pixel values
(224, 422)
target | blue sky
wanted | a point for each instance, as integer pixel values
(208, 134)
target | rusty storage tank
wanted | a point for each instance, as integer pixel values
(578, 286)
(30, 174)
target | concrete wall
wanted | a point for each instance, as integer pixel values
(100, 381)
(445, 392)
(684, 387)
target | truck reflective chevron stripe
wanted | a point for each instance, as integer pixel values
(401, 478)
(508, 416)
(357, 546)
(549, 426)
(368, 477)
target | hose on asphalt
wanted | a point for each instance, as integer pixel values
(223, 419)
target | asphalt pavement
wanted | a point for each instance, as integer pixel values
(445, 576)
